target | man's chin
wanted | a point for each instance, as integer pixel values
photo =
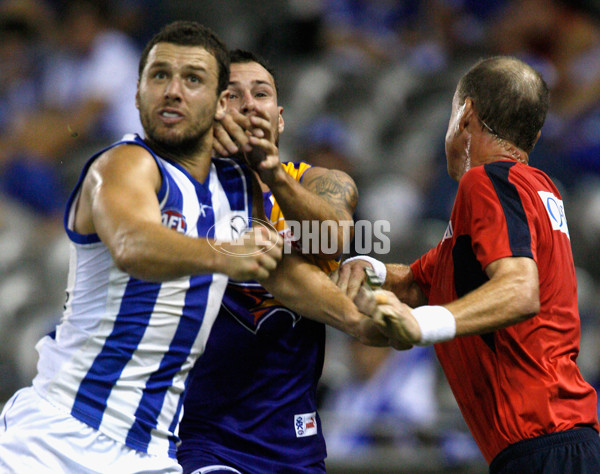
(172, 138)
(177, 145)
(169, 139)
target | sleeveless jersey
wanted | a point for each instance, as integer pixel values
(121, 354)
(521, 381)
(252, 396)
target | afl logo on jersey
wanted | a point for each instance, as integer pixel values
(175, 220)
(238, 226)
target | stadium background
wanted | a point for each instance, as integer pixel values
(366, 87)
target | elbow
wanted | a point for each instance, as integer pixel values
(529, 301)
(124, 261)
(532, 301)
(125, 256)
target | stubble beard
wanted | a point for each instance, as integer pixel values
(175, 145)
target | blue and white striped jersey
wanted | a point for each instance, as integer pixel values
(120, 357)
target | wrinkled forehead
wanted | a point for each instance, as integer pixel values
(245, 74)
(176, 55)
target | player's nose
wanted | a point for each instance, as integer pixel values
(173, 89)
(248, 103)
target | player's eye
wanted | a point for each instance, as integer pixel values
(262, 93)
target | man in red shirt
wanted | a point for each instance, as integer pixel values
(498, 294)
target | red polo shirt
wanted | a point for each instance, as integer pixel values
(521, 381)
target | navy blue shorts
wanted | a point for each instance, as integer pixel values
(199, 461)
(575, 451)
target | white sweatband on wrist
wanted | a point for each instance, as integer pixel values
(436, 322)
(378, 266)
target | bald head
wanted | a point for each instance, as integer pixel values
(510, 97)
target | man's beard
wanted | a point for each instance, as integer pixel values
(186, 144)
(174, 145)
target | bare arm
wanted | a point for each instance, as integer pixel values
(306, 289)
(119, 203)
(323, 195)
(511, 295)
(399, 280)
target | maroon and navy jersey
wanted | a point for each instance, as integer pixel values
(521, 381)
(251, 401)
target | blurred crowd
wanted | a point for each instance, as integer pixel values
(366, 87)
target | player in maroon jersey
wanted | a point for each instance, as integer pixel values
(498, 294)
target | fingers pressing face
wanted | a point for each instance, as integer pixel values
(252, 92)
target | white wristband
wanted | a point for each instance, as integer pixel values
(436, 322)
(378, 266)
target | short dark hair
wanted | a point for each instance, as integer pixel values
(240, 56)
(191, 33)
(510, 97)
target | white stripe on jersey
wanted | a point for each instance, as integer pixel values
(96, 289)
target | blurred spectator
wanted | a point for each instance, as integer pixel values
(562, 39)
(92, 75)
(359, 40)
(20, 38)
(360, 34)
(25, 29)
(81, 89)
(464, 25)
(327, 142)
(387, 400)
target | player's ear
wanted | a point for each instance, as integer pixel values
(468, 114)
(281, 124)
(222, 105)
(137, 95)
